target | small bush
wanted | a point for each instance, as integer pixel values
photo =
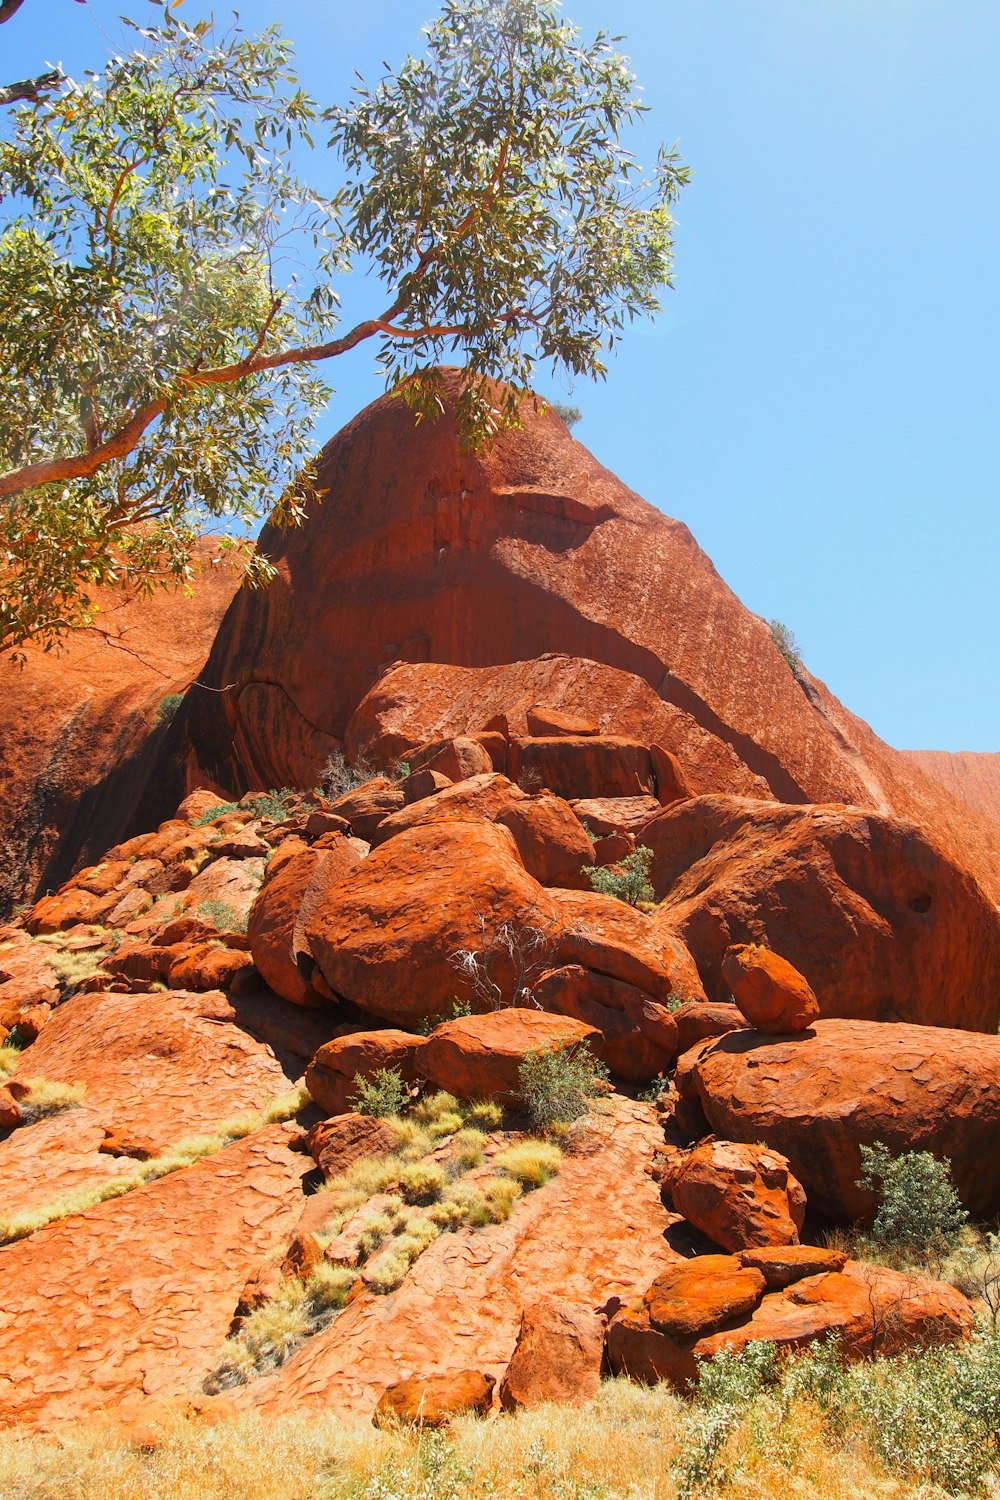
(338, 777)
(167, 707)
(382, 1094)
(273, 806)
(570, 414)
(786, 643)
(461, 1205)
(222, 916)
(374, 1233)
(220, 810)
(10, 1056)
(627, 881)
(558, 1085)
(486, 1113)
(468, 1147)
(919, 1210)
(422, 1182)
(387, 1274)
(531, 1163)
(500, 1196)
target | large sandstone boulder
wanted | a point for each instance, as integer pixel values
(881, 924)
(818, 1097)
(480, 1057)
(769, 992)
(277, 921)
(740, 1195)
(330, 1077)
(557, 1357)
(385, 937)
(550, 838)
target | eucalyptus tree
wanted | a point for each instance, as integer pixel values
(169, 281)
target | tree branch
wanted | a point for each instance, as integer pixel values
(8, 8)
(29, 88)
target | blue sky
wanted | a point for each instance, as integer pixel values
(819, 401)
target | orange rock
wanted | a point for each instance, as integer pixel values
(879, 922)
(638, 1037)
(671, 782)
(479, 1057)
(550, 721)
(458, 759)
(303, 1255)
(64, 909)
(197, 803)
(768, 990)
(739, 1195)
(140, 1288)
(276, 925)
(365, 808)
(698, 1019)
(611, 938)
(871, 1310)
(386, 938)
(818, 1097)
(420, 784)
(10, 1110)
(609, 815)
(32, 1022)
(207, 966)
(331, 1074)
(697, 1297)
(557, 1357)
(584, 766)
(435, 1401)
(337, 1144)
(550, 838)
(780, 1265)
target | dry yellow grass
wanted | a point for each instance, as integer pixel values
(624, 1445)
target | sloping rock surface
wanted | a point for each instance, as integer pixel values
(593, 1232)
(140, 1291)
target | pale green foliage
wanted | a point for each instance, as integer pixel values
(786, 643)
(627, 881)
(569, 414)
(211, 813)
(168, 285)
(382, 1094)
(557, 1086)
(918, 1208)
(273, 806)
(222, 916)
(143, 216)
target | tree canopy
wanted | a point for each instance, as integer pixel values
(168, 280)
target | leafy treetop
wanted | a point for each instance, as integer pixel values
(168, 281)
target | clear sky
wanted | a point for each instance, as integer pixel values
(819, 401)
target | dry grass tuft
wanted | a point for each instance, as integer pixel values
(46, 1097)
(531, 1163)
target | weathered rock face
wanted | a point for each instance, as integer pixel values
(769, 992)
(141, 1288)
(529, 547)
(74, 755)
(557, 1357)
(276, 924)
(878, 920)
(434, 1402)
(819, 1097)
(479, 1057)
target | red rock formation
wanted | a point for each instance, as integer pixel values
(970, 777)
(73, 775)
(435, 1401)
(479, 1057)
(557, 1357)
(768, 990)
(739, 1195)
(881, 924)
(820, 1096)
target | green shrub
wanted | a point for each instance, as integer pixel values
(919, 1210)
(273, 806)
(220, 810)
(222, 916)
(167, 707)
(627, 881)
(570, 414)
(557, 1085)
(382, 1094)
(786, 643)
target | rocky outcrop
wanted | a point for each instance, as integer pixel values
(768, 991)
(740, 1196)
(714, 1303)
(80, 729)
(879, 921)
(818, 1097)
